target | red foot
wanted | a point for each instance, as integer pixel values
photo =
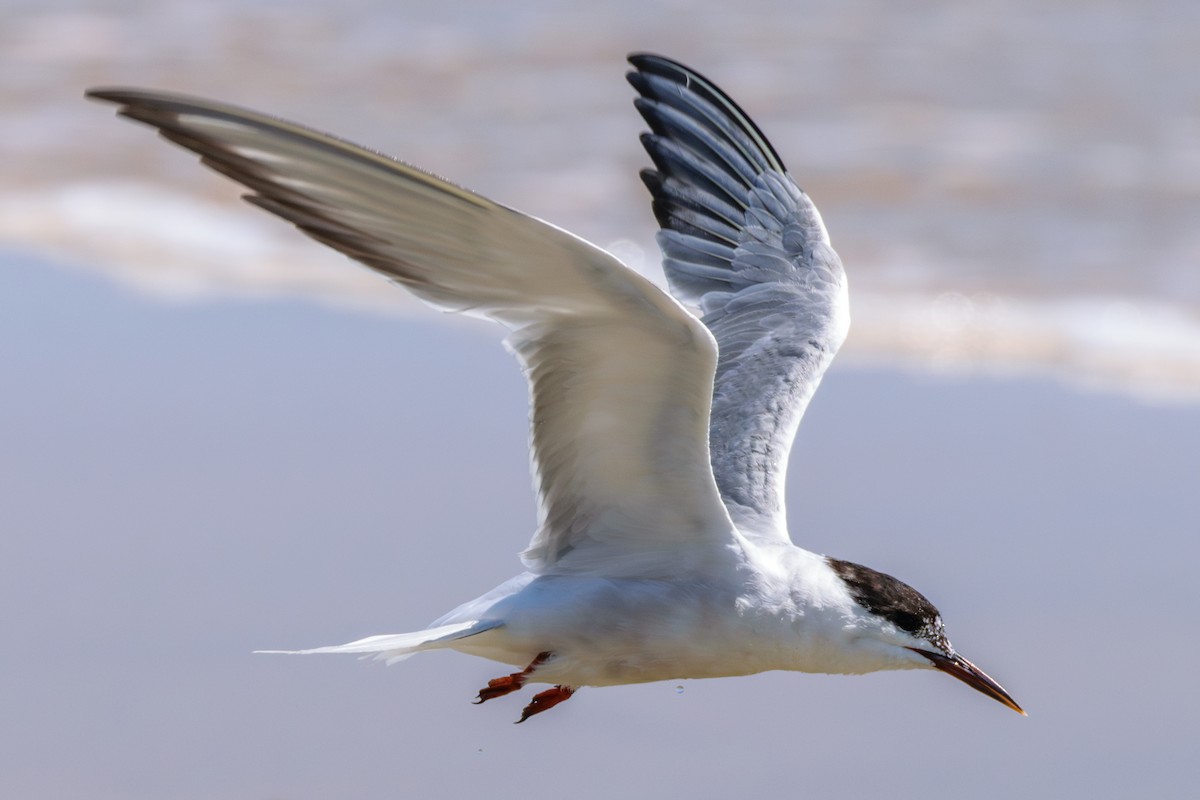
(498, 687)
(546, 700)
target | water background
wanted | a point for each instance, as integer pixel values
(1012, 185)
(216, 437)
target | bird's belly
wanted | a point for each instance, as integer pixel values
(626, 657)
(630, 632)
(610, 664)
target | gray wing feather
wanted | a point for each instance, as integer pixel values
(620, 373)
(745, 245)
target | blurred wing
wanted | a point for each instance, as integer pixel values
(620, 374)
(745, 244)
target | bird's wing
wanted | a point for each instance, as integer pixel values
(742, 242)
(620, 373)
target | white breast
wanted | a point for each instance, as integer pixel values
(606, 632)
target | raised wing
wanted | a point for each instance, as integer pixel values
(620, 374)
(741, 241)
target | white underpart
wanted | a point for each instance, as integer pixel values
(652, 559)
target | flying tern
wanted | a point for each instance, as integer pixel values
(661, 423)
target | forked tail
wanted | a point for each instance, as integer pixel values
(395, 647)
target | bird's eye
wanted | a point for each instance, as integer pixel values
(907, 622)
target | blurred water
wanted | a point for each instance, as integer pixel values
(1011, 184)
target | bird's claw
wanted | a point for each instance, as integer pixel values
(545, 700)
(506, 684)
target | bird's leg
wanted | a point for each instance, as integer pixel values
(545, 700)
(498, 687)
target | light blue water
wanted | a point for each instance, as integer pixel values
(182, 485)
(1009, 183)
(1021, 178)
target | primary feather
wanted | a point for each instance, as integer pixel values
(620, 374)
(745, 245)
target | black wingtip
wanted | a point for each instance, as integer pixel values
(652, 62)
(638, 58)
(106, 94)
(133, 101)
(127, 95)
(691, 80)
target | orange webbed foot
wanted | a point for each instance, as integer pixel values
(498, 687)
(543, 701)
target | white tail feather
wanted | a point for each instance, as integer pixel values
(399, 646)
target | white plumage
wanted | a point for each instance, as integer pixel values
(659, 438)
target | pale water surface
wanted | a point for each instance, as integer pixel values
(1013, 185)
(185, 478)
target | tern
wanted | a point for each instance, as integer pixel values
(660, 423)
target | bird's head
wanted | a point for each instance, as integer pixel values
(900, 623)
